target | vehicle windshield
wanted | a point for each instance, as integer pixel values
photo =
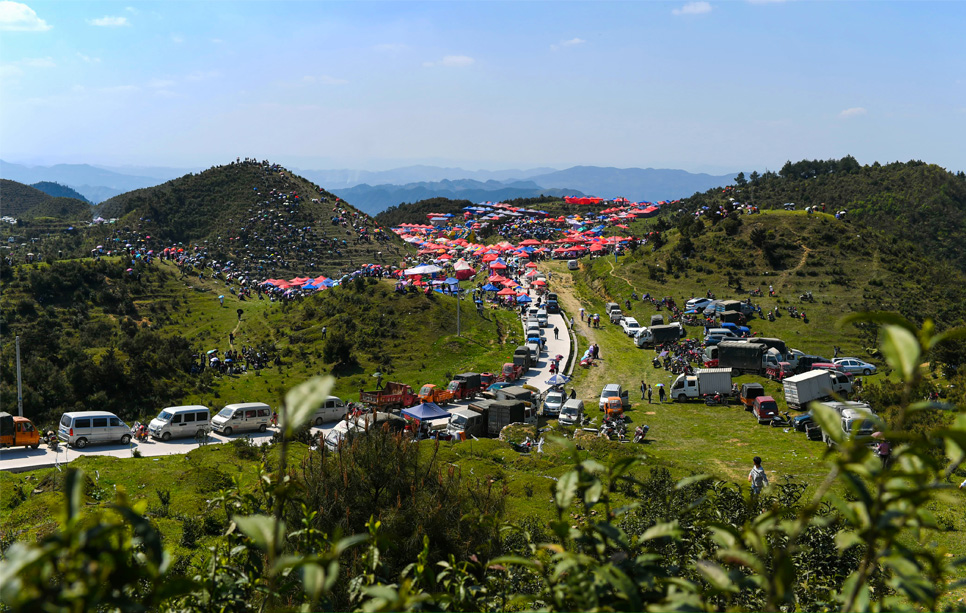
(458, 420)
(569, 411)
(225, 413)
(608, 393)
(555, 398)
(426, 390)
(453, 386)
(164, 416)
(859, 427)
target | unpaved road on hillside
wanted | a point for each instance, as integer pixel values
(586, 336)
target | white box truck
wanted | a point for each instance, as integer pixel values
(704, 381)
(813, 385)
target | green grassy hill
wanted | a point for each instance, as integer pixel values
(920, 205)
(60, 191)
(96, 336)
(26, 202)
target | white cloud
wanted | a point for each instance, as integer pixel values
(568, 43)
(109, 22)
(9, 71)
(17, 17)
(131, 10)
(202, 75)
(452, 61)
(160, 83)
(855, 111)
(38, 62)
(390, 47)
(766, 1)
(693, 8)
(217, 41)
(324, 80)
(88, 59)
(177, 39)
(120, 89)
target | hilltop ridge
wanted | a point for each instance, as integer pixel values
(27, 202)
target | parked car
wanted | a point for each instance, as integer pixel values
(854, 366)
(697, 304)
(553, 402)
(630, 326)
(612, 390)
(77, 429)
(765, 409)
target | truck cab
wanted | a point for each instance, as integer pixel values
(765, 409)
(855, 419)
(464, 423)
(16, 431)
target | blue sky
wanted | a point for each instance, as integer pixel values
(704, 86)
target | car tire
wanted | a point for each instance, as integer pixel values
(227, 431)
(80, 443)
(35, 446)
(867, 372)
(126, 439)
(318, 421)
(262, 428)
(166, 437)
(682, 398)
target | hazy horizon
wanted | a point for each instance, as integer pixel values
(701, 86)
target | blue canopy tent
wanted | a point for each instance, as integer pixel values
(523, 299)
(490, 287)
(425, 411)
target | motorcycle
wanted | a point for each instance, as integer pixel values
(523, 447)
(806, 297)
(640, 432)
(50, 438)
(782, 420)
(713, 399)
(140, 432)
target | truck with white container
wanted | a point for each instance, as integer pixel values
(704, 382)
(814, 385)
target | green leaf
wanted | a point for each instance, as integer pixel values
(954, 334)
(302, 401)
(845, 539)
(516, 561)
(879, 317)
(901, 350)
(668, 529)
(716, 575)
(593, 492)
(313, 580)
(828, 419)
(261, 529)
(566, 489)
(683, 483)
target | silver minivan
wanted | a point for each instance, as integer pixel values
(333, 409)
(241, 417)
(80, 428)
(572, 412)
(182, 421)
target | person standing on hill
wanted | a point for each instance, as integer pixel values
(649, 396)
(757, 477)
(643, 389)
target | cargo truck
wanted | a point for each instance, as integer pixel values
(741, 356)
(18, 431)
(704, 382)
(464, 423)
(393, 397)
(465, 385)
(656, 335)
(855, 419)
(502, 413)
(814, 385)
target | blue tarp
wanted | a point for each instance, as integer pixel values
(424, 411)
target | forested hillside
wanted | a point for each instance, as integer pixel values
(920, 204)
(59, 191)
(26, 202)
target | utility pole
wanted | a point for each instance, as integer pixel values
(19, 386)
(458, 300)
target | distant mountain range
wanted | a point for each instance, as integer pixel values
(376, 191)
(375, 199)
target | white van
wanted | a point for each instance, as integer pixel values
(572, 412)
(333, 409)
(83, 427)
(242, 416)
(573, 265)
(180, 421)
